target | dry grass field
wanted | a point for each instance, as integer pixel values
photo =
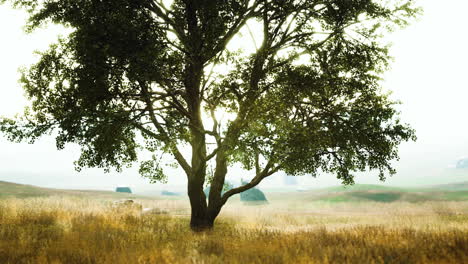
(65, 229)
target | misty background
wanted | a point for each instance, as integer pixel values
(428, 76)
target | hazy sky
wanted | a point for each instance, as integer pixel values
(429, 76)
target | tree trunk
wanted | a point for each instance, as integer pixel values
(204, 213)
(201, 224)
(199, 220)
(214, 201)
(202, 217)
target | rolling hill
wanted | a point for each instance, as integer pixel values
(460, 186)
(379, 193)
(361, 187)
(14, 190)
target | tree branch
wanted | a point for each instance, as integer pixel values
(212, 155)
(157, 8)
(267, 171)
(165, 137)
(241, 21)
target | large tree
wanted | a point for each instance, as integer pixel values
(155, 75)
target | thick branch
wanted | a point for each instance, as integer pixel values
(267, 171)
(212, 154)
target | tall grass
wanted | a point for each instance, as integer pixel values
(78, 230)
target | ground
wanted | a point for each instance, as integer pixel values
(306, 227)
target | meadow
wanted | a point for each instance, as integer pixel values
(84, 229)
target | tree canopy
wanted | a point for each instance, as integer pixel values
(154, 75)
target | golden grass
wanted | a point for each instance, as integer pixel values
(78, 230)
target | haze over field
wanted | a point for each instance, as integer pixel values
(427, 76)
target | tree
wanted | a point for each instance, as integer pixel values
(153, 75)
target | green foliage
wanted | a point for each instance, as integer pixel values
(152, 170)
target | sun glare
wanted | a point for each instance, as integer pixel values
(221, 115)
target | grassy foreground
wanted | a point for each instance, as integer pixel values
(80, 230)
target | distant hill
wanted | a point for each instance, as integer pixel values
(361, 187)
(14, 190)
(393, 196)
(379, 193)
(460, 186)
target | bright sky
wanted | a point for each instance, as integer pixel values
(428, 76)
